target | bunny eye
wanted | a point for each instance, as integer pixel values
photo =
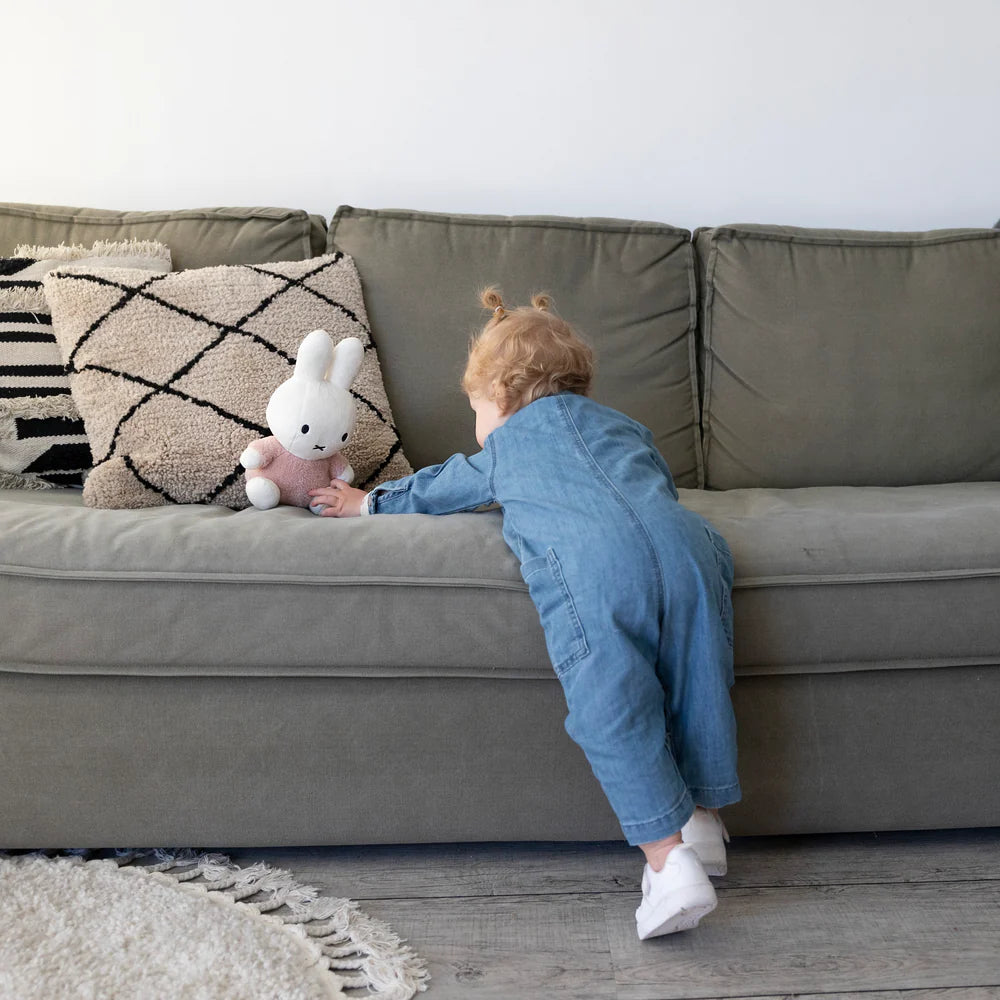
(344, 438)
(305, 428)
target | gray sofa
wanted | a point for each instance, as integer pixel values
(830, 400)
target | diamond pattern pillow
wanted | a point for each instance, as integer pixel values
(172, 373)
(42, 438)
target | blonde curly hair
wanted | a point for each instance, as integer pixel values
(523, 354)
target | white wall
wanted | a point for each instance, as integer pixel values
(855, 113)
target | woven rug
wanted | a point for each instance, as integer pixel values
(149, 925)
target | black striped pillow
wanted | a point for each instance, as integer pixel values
(41, 435)
(43, 441)
(30, 363)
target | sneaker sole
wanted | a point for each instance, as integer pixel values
(685, 919)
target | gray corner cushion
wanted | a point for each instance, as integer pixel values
(628, 287)
(850, 358)
(197, 237)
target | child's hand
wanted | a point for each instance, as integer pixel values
(341, 500)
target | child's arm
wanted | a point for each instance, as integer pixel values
(458, 484)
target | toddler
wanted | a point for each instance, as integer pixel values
(632, 589)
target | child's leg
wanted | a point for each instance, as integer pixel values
(695, 662)
(617, 715)
(656, 851)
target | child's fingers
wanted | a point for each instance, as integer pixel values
(332, 500)
(340, 498)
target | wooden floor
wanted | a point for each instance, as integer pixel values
(906, 916)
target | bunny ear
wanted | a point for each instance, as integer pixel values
(347, 357)
(314, 357)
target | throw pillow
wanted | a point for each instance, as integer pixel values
(172, 372)
(42, 438)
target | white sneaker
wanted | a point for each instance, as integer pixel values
(676, 897)
(707, 834)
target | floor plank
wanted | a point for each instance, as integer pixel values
(959, 993)
(904, 916)
(508, 947)
(816, 939)
(437, 870)
(855, 859)
(444, 870)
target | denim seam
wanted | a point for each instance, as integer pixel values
(725, 596)
(583, 648)
(619, 496)
(493, 465)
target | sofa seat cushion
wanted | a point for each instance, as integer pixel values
(827, 579)
(855, 578)
(198, 589)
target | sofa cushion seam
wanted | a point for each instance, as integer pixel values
(518, 222)
(185, 576)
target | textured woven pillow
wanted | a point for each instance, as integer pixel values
(172, 373)
(42, 438)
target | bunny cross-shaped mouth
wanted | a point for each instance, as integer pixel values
(319, 447)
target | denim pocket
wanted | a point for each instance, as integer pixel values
(564, 635)
(724, 561)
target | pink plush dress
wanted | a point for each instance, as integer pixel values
(295, 477)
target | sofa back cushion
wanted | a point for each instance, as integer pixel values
(196, 237)
(834, 357)
(628, 287)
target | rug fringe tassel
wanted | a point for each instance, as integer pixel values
(102, 248)
(349, 940)
(31, 300)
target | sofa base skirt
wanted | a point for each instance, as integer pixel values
(140, 761)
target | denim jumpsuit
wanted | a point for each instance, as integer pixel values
(633, 592)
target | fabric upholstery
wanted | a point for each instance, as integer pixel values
(846, 578)
(252, 761)
(343, 682)
(838, 358)
(172, 373)
(915, 572)
(196, 237)
(628, 287)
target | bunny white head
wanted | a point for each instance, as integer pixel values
(312, 414)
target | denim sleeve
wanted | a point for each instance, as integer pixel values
(458, 484)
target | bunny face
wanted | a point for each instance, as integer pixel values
(312, 414)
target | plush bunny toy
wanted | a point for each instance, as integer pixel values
(311, 416)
